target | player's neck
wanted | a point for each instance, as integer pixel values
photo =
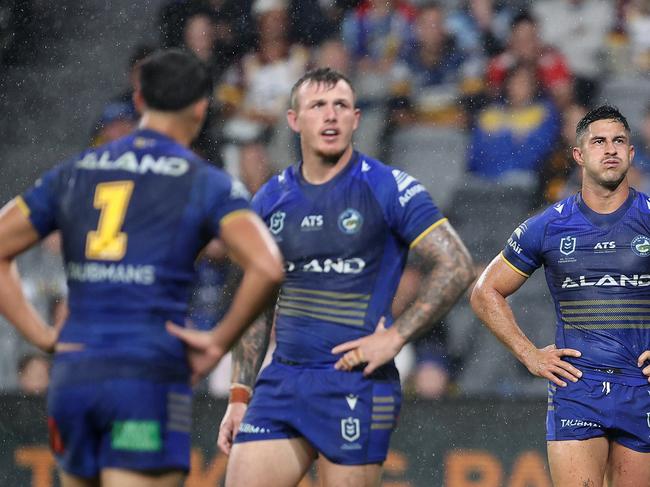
(602, 200)
(168, 125)
(316, 170)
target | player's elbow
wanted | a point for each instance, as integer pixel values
(272, 271)
(478, 297)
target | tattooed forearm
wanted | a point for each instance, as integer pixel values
(452, 272)
(248, 354)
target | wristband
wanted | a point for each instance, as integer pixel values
(240, 393)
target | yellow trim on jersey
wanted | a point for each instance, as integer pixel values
(234, 214)
(331, 294)
(381, 426)
(522, 273)
(383, 399)
(351, 304)
(576, 311)
(20, 203)
(319, 316)
(319, 309)
(604, 301)
(424, 234)
(609, 326)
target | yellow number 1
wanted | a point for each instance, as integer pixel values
(108, 242)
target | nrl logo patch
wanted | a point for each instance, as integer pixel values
(567, 245)
(276, 223)
(350, 429)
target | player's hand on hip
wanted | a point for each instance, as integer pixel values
(203, 353)
(547, 363)
(229, 427)
(373, 350)
(643, 358)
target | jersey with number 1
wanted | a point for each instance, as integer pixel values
(598, 271)
(345, 244)
(133, 215)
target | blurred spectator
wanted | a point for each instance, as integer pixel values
(376, 33)
(642, 143)
(118, 119)
(558, 171)
(430, 71)
(232, 19)
(33, 374)
(578, 29)
(257, 88)
(332, 53)
(43, 278)
(512, 139)
(314, 21)
(524, 46)
(637, 19)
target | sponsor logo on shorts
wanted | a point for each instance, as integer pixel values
(350, 429)
(252, 429)
(139, 436)
(352, 400)
(578, 423)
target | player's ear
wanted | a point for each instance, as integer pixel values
(577, 156)
(201, 108)
(292, 120)
(138, 101)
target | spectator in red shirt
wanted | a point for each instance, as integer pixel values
(525, 46)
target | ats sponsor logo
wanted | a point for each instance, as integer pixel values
(605, 247)
(311, 222)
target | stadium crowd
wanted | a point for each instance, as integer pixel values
(478, 99)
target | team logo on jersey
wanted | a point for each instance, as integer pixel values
(641, 245)
(350, 221)
(277, 222)
(567, 245)
(350, 429)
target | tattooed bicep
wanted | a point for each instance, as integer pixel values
(442, 245)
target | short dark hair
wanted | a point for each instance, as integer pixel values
(173, 79)
(603, 112)
(327, 76)
(521, 18)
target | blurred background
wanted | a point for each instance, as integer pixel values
(478, 99)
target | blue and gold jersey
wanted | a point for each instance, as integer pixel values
(345, 243)
(598, 271)
(133, 215)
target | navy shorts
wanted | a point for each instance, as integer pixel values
(120, 423)
(345, 416)
(591, 408)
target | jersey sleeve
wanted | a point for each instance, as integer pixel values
(411, 212)
(40, 202)
(224, 198)
(523, 250)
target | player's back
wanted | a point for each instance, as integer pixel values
(133, 216)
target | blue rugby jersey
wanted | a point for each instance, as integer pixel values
(598, 272)
(345, 244)
(133, 215)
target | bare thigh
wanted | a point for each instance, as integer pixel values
(334, 475)
(269, 463)
(68, 480)
(578, 463)
(628, 468)
(115, 477)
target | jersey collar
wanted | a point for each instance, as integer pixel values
(601, 220)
